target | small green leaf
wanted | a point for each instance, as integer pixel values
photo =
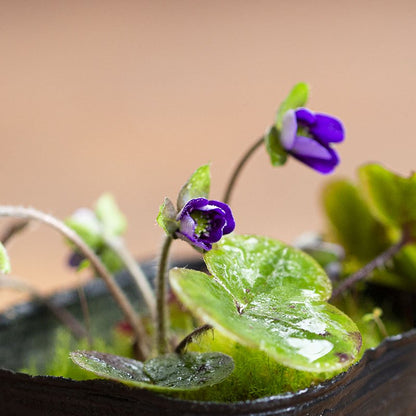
(297, 97)
(189, 370)
(266, 295)
(391, 197)
(169, 372)
(83, 265)
(111, 260)
(278, 155)
(352, 222)
(107, 211)
(404, 266)
(197, 186)
(86, 224)
(364, 236)
(167, 217)
(4, 260)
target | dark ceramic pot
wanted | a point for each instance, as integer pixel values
(382, 383)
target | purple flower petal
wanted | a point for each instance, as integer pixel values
(324, 166)
(289, 129)
(307, 136)
(327, 129)
(191, 205)
(230, 223)
(305, 116)
(308, 147)
(203, 222)
(214, 235)
(187, 226)
(75, 259)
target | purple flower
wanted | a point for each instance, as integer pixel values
(203, 222)
(307, 136)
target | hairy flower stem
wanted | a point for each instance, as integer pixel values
(379, 261)
(161, 289)
(62, 314)
(239, 168)
(191, 337)
(115, 291)
(136, 272)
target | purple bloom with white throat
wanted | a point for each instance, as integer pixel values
(203, 222)
(308, 136)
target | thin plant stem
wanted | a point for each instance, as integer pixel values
(191, 337)
(85, 313)
(136, 272)
(381, 326)
(379, 261)
(122, 301)
(161, 289)
(63, 315)
(238, 169)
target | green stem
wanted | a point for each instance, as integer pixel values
(115, 291)
(136, 272)
(191, 337)
(239, 167)
(381, 326)
(379, 261)
(161, 310)
(86, 313)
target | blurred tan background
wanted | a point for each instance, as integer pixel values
(132, 96)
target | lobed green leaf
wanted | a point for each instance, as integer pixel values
(267, 295)
(170, 372)
(391, 197)
(352, 222)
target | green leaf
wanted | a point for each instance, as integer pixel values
(4, 260)
(364, 237)
(189, 370)
(107, 211)
(266, 295)
(197, 186)
(402, 269)
(167, 217)
(278, 155)
(86, 224)
(352, 222)
(111, 260)
(169, 372)
(391, 197)
(297, 97)
(83, 265)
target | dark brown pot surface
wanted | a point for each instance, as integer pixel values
(382, 383)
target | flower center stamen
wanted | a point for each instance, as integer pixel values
(303, 131)
(202, 223)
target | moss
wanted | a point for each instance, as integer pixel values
(60, 365)
(255, 374)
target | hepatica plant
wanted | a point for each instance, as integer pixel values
(263, 316)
